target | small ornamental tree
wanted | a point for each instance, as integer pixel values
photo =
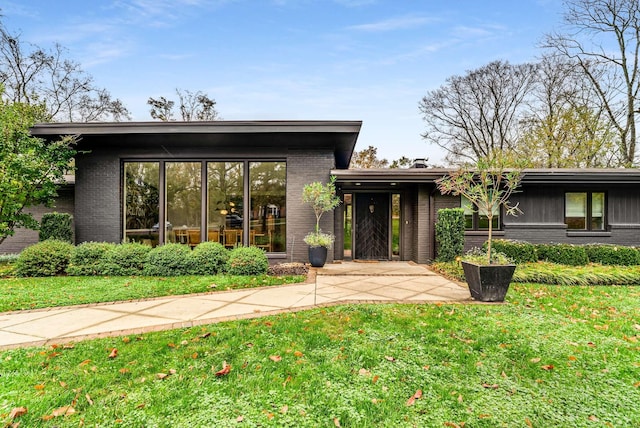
(30, 168)
(322, 198)
(488, 186)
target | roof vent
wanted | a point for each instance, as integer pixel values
(419, 163)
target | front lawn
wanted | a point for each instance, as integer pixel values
(33, 293)
(550, 356)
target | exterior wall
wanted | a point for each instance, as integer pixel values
(25, 237)
(305, 167)
(542, 220)
(98, 194)
(408, 215)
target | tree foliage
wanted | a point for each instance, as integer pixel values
(488, 185)
(603, 38)
(192, 106)
(30, 168)
(35, 75)
(368, 159)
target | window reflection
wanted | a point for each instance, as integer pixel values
(225, 223)
(141, 196)
(268, 205)
(184, 202)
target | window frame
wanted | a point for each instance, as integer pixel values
(589, 211)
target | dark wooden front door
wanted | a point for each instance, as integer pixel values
(372, 226)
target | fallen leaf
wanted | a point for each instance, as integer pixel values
(226, 368)
(592, 418)
(484, 416)
(336, 422)
(636, 326)
(17, 412)
(572, 358)
(240, 418)
(114, 353)
(89, 400)
(493, 386)
(84, 363)
(388, 358)
(284, 409)
(547, 367)
(126, 339)
(528, 422)
(63, 411)
(637, 384)
(194, 355)
(298, 354)
(375, 379)
(364, 372)
(162, 376)
(171, 345)
(141, 406)
(416, 396)
(68, 346)
(39, 387)
(184, 343)
(124, 370)
(535, 360)
(275, 358)
(204, 336)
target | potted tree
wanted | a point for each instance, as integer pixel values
(488, 186)
(322, 198)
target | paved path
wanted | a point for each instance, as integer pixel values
(348, 282)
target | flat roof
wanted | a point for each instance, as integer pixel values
(530, 176)
(339, 136)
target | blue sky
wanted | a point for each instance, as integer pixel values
(369, 60)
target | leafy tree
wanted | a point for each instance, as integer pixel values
(367, 158)
(193, 106)
(488, 185)
(603, 39)
(34, 75)
(30, 168)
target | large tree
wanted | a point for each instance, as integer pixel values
(603, 38)
(35, 75)
(192, 106)
(565, 125)
(30, 168)
(475, 116)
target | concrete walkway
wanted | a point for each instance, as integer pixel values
(348, 282)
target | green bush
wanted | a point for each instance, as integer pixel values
(450, 234)
(56, 226)
(564, 254)
(125, 259)
(88, 258)
(518, 251)
(46, 258)
(612, 255)
(247, 261)
(210, 258)
(169, 260)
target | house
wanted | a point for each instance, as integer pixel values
(240, 183)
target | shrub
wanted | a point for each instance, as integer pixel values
(125, 259)
(565, 254)
(247, 261)
(480, 257)
(518, 251)
(46, 258)
(210, 258)
(288, 269)
(612, 255)
(450, 234)
(169, 260)
(56, 226)
(88, 258)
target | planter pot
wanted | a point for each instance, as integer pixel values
(488, 283)
(317, 256)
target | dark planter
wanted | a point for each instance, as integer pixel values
(488, 283)
(317, 256)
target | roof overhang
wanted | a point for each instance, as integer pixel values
(339, 136)
(379, 177)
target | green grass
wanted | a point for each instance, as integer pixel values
(33, 293)
(551, 356)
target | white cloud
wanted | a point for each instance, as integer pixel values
(399, 23)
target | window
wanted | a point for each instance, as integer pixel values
(585, 210)
(142, 202)
(475, 219)
(234, 203)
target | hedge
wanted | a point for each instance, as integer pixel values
(450, 233)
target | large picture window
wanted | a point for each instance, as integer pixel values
(142, 202)
(268, 195)
(585, 210)
(242, 203)
(477, 219)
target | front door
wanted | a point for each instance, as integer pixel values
(371, 240)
